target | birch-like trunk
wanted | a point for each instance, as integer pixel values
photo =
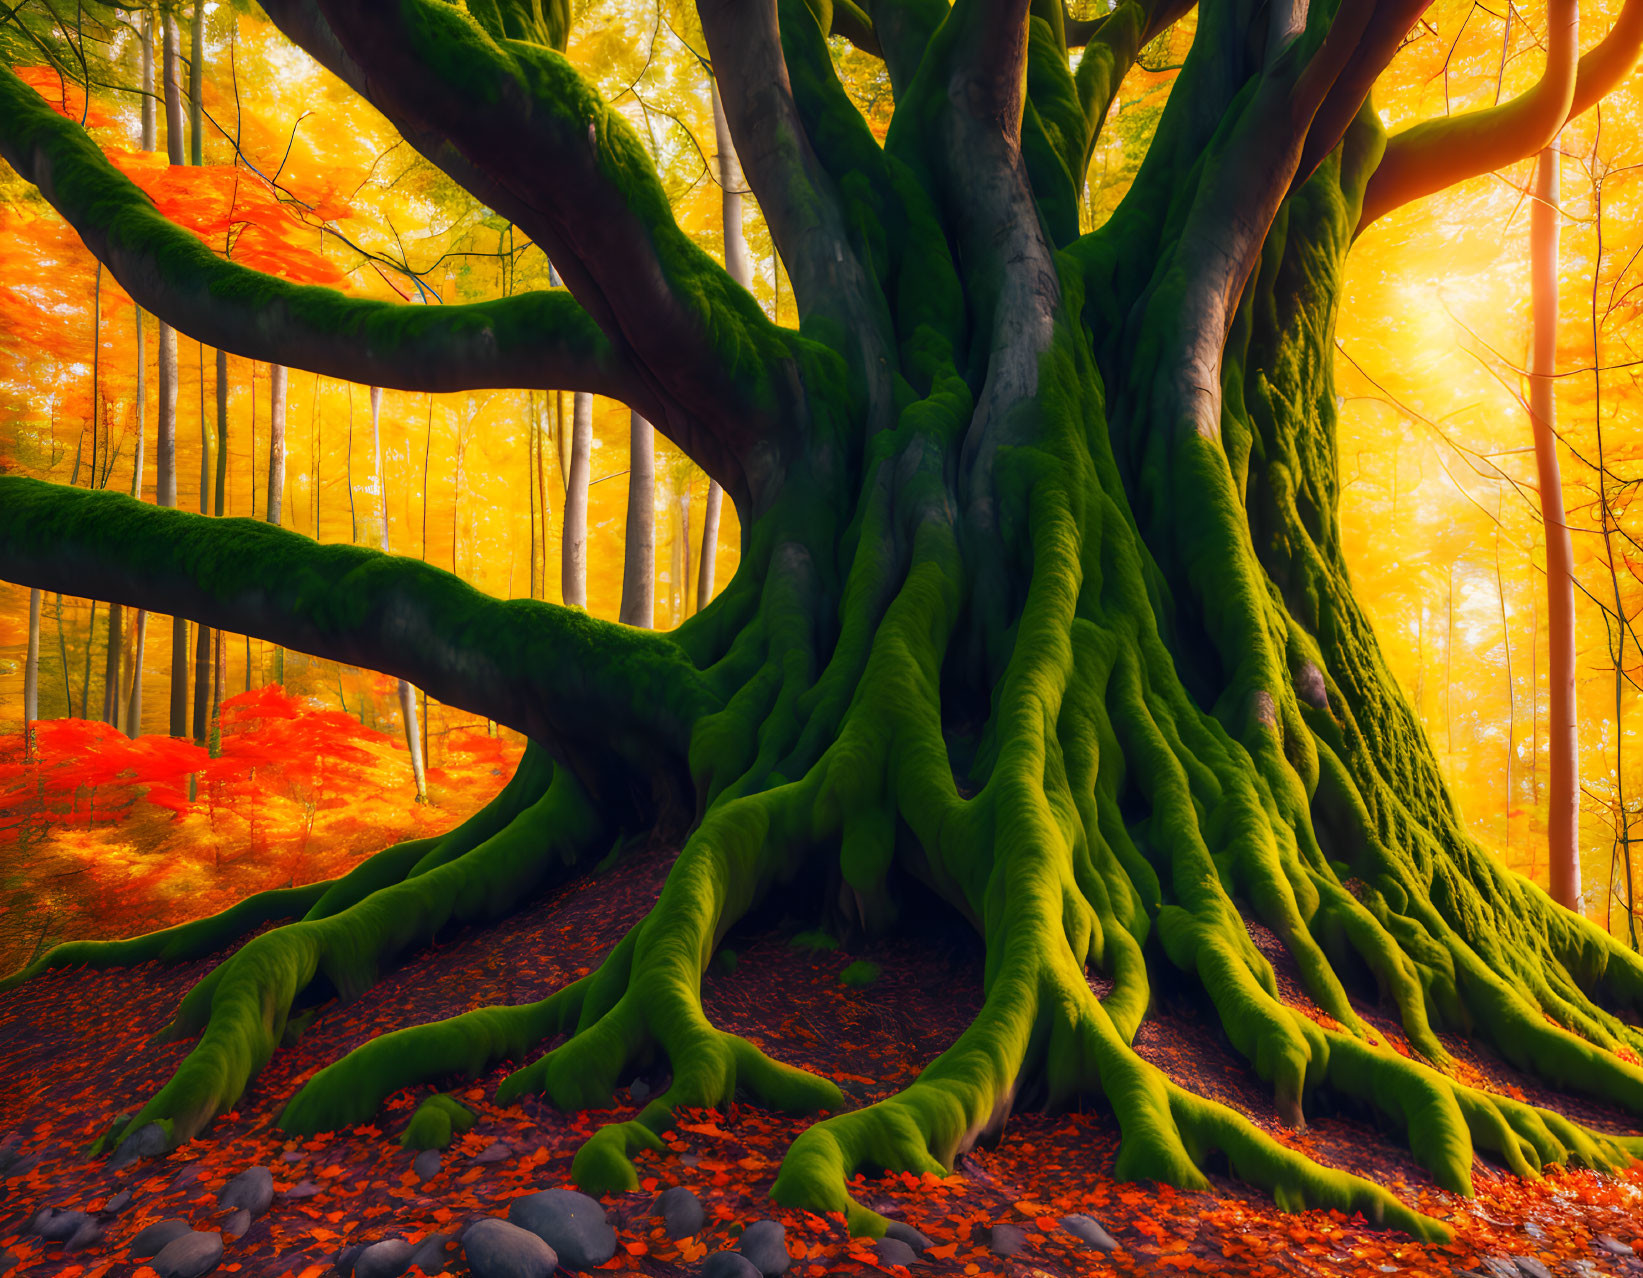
(574, 561)
(639, 550)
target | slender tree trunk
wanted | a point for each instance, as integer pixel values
(1563, 801)
(407, 694)
(62, 655)
(739, 264)
(196, 64)
(165, 452)
(142, 402)
(218, 669)
(111, 667)
(544, 507)
(222, 433)
(149, 134)
(174, 147)
(134, 704)
(165, 494)
(639, 554)
(574, 559)
(31, 669)
(533, 451)
(276, 473)
(85, 677)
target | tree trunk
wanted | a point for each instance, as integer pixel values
(142, 403)
(134, 705)
(165, 494)
(639, 550)
(1563, 713)
(196, 70)
(111, 668)
(573, 582)
(176, 152)
(31, 666)
(739, 265)
(150, 136)
(407, 694)
(276, 473)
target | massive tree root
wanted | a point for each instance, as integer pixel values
(1041, 605)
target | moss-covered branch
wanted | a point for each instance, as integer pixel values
(719, 375)
(543, 339)
(613, 702)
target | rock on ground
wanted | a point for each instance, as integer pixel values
(1090, 1231)
(252, 1189)
(573, 1224)
(681, 1212)
(386, 1259)
(496, 1249)
(189, 1256)
(151, 1241)
(729, 1264)
(901, 1231)
(764, 1242)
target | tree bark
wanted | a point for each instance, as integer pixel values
(574, 557)
(639, 549)
(1563, 712)
(175, 149)
(149, 134)
(134, 705)
(31, 665)
(276, 473)
(406, 693)
(165, 484)
(111, 668)
(196, 70)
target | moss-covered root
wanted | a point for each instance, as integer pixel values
(436, 1121)
(1057, 1027)
(645, 999)
(352, 1089)
(241, 1007)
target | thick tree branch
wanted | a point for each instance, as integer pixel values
(519, 127)
(751, 52)
(595, 694)
(1440, 153)
(1111, 45)
(535, 340)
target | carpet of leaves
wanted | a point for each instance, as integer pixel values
(74, 1052)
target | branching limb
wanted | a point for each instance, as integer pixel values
(1439, 153)
(719, 374)
(612, 701)
(542, 340)
(852, 22)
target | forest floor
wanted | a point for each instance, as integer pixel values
(74, 1052)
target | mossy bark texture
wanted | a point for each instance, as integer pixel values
(1041, 608)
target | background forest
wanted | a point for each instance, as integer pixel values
(290, 172)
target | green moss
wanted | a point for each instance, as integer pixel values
(859, 975)
(434, 1122)
(813, 940)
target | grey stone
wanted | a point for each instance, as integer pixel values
(252, 1189)
(304, 1188)
(148, 1141)
(1006, 1240)
(190, 1256)
(344, 1259)
(1530, 1267)
(292, 1156)
(729, 1264)
(638, 1089)
(56, 1225)
(1613, 1245)
(764, 1242)
(496, 1249)
(151, 1241)
(89, 1234)
(901, 1231)
(1089, 1230)
(8, 1261)
(495, 1152)
(386, 1259)
(431, 1256)
(681, 1212)
(237, 1224)
(892, 1251)
(573, 1224)
(119, 1202)
(427, 1164)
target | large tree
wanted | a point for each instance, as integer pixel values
(1041, 602)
